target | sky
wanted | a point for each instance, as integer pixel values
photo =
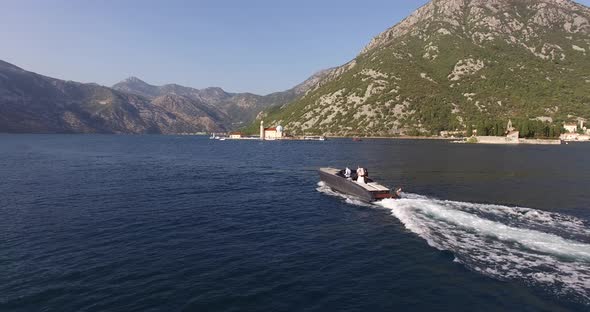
(258, 46)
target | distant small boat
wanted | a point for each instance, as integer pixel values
(368, 191)
(314, 138)
(459, 141)
(222, 139)
(357, 139)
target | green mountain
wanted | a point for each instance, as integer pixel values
(453, 64)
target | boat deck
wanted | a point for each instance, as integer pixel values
(371, 186)
(374, 186)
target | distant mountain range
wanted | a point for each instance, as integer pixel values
(33, 103)
(453, 64)
(239, 108)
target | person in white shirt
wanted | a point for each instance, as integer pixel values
(360, 172)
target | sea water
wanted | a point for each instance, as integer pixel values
(140, 223)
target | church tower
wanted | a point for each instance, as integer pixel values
(509, 128)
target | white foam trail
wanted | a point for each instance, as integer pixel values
(543, 249)
(535, 240)
(507, 243)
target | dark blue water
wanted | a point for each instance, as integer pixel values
(164, 223)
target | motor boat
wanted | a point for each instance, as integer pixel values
(351, 183)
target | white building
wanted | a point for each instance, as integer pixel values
(235, 135)
(571, 128)
(451, 134)
(575, 137)
(575, 127)
(513, 136)
(275, 133)
(584, 128)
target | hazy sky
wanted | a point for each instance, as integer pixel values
(258, 46)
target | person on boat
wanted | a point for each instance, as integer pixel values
(362, 175)
(347, 173)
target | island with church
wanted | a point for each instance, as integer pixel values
(277, 133)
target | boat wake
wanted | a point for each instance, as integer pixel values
(541, 249)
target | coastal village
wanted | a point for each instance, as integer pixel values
(570, 132)
(574, 132)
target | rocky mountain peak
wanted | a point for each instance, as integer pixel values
(137, 86)
(487, 18)
(134, 79)
(214, 92)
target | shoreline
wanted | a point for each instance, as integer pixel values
(393, 137)
(200, 134)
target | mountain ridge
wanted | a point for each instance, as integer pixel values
(34, 103)
(241, 108)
